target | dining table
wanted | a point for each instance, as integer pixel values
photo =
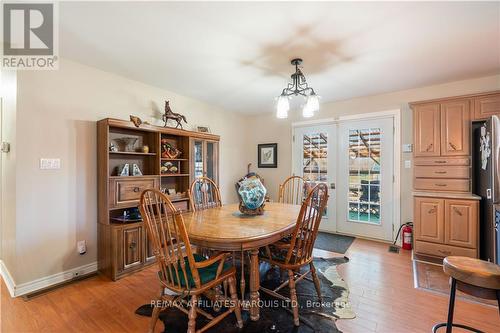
(227, 229)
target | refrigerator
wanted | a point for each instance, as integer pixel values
(486, 183)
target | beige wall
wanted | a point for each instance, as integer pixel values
(271, 129)
(56, 118)
(8, 89)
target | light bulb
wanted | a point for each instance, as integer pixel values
(282, 107)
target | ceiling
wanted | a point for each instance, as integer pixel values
(236, 55)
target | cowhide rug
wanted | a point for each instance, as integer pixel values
(315, 316)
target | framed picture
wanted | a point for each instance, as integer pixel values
(267, 155)
(203, 129)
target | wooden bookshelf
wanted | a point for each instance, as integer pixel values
(123, 247)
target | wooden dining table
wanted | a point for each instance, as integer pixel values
(226, 229)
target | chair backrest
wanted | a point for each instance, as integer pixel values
(169, 239)
(306, 229)
(203, 194)
(292, 190)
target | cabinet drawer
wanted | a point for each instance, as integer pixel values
(181, 206)
(441, 250)
(438, 184)
(126, 192)
(441, 161)
(450, 171)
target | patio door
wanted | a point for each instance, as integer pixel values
(365, 197)
(314, 159)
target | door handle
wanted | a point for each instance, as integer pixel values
(440, 172)
(456, 210)
(440, 185)
(452, 146)
(429, 147)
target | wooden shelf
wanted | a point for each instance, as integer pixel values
(175, 175)
(174, 159)
(131, 153)
(132, 177)
(179, 199)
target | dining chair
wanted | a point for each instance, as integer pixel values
(295, 253)
(292, 190)
(204, 194)
(181, 271)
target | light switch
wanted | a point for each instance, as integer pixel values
(407, 148)
(50, 163)
(407, 164)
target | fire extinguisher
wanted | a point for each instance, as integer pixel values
(406, 231)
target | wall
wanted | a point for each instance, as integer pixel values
(57, 111)
(280, 130)
(8, 87)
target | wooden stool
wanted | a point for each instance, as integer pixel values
(474, 277)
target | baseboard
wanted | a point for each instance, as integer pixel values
(47, 281)
(7, 278)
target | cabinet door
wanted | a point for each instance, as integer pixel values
(429, 219)
(132, 247)
(461, 223)
(212, 158)
(426, 129)
(198, 158)
(486, 106)
(455, 128)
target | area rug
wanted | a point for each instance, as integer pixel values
(333, 242)
(315, 316)
(430, 277)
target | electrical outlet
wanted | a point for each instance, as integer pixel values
(82, 247)
(407, 164)
(50, 163)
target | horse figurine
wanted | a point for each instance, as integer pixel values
(169, 114)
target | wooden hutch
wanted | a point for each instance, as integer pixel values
(446, 212)
(123, 245)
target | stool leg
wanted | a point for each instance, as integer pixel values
(451, 306)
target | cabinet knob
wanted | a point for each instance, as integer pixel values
(132, 245)
(440, 172)
(136, 189)
(456, 210)
(429, 147)
(440, 185)
(432, 210)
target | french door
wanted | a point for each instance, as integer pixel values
(366, 175)
(314, 159)
(360, 155)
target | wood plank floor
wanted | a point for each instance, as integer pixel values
(381, 285)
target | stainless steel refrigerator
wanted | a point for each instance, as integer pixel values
(486, 183)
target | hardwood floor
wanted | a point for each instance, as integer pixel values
(381, 285)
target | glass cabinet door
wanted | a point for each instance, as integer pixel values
(198, 159)
(211, 160)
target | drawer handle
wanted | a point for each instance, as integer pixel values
(452, 146)
(456, 210)
(132, 245)
(440, 162)
(136, 189)
(429, 147)
(441, 185)
(444, 252)
(441, 172)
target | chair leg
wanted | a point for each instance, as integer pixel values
(317, 284)
(498, 299)
(156, 313)
(235, 301)
(293, 297)
(192, 315)
(451, 306)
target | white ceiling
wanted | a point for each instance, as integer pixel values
(236, 55)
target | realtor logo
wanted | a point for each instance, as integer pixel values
(29, 35)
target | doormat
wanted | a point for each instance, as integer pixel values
(333, 242)
(315, 317)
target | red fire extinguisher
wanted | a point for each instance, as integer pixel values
(407, 235)
(406, 231)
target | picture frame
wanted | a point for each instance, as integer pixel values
(203, 129)
(267, 155)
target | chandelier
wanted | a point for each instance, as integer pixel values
(298, 86)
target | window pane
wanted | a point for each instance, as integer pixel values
(315, 154)
(364, 175)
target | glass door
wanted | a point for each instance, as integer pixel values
(314, 159)
(205, 159)
(365, 188)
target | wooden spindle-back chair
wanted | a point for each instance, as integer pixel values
(180, 270)
(292, 190)
(204, 194)
(296, 252)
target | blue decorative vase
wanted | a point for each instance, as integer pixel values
(252, 196)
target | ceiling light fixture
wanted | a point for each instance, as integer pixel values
(298, 86)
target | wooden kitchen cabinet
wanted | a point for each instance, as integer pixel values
(455, 128)
(427, 139)
(430, 217)
(486, 106)
(461, 223)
